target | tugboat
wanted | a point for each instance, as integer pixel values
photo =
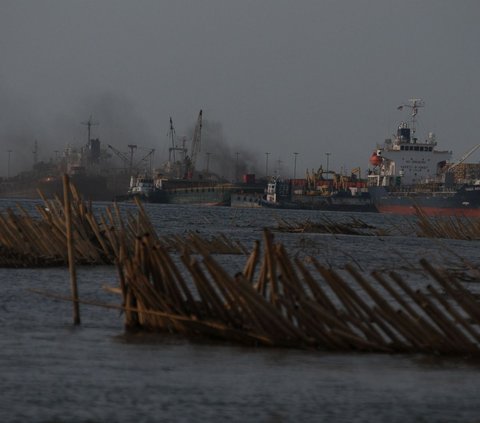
(408, 173)
(332, 192)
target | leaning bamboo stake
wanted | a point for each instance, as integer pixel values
(453, 288)
(418, 334)
(426, 326)
(270, 266)
(454, 313)
(379, 300)
(252, 261)
(71, 257)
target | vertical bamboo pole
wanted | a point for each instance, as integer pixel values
(71, 257)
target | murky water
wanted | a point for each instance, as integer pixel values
(54, 372)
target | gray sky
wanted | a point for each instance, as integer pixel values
(277, 76)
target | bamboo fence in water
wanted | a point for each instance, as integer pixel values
(276, 300)
(282, 301)
(41, 240)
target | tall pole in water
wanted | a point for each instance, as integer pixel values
(266, 165)
(8, 164)
(295, 165)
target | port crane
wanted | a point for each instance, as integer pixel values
(144, 159)
(127, 161)
(464, 157)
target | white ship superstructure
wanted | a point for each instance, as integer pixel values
(406, 160)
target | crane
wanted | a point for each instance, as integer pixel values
(196, 144)
(464, 157)
(126, 160)
(144, 159)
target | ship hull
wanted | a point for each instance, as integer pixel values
(464, 201)
(194, 195)
(95, 187)
(325, 203)
(246, 200)
(213, 196)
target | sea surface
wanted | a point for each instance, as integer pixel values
(52, 371)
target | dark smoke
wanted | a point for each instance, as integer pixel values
(228, 162)
(19, 128)
(118, 124)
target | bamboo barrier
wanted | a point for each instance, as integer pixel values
(40, 241)
(175, 284)
(279, 301)
(452, 227)
(324, 224)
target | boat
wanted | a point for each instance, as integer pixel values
(159, 189)
(410, 174)
(320, 190)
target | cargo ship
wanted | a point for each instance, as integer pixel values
(88, 167)
(409, 173)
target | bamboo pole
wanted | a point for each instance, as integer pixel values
(70, 248)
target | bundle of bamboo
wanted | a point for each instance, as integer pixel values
(324, 224)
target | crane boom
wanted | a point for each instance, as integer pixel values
(122, 156)
(464, 157)
(144, 158)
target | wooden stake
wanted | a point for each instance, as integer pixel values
(71, 258)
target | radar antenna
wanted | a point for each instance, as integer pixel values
(415, 104)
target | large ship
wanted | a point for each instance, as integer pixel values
(88, 167)
(410, 173)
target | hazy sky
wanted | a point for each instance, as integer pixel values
(278, 76)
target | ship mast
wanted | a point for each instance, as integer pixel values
(172, 149)
(415, 104)
(89, 123)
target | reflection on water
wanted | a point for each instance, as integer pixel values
(53, 372)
